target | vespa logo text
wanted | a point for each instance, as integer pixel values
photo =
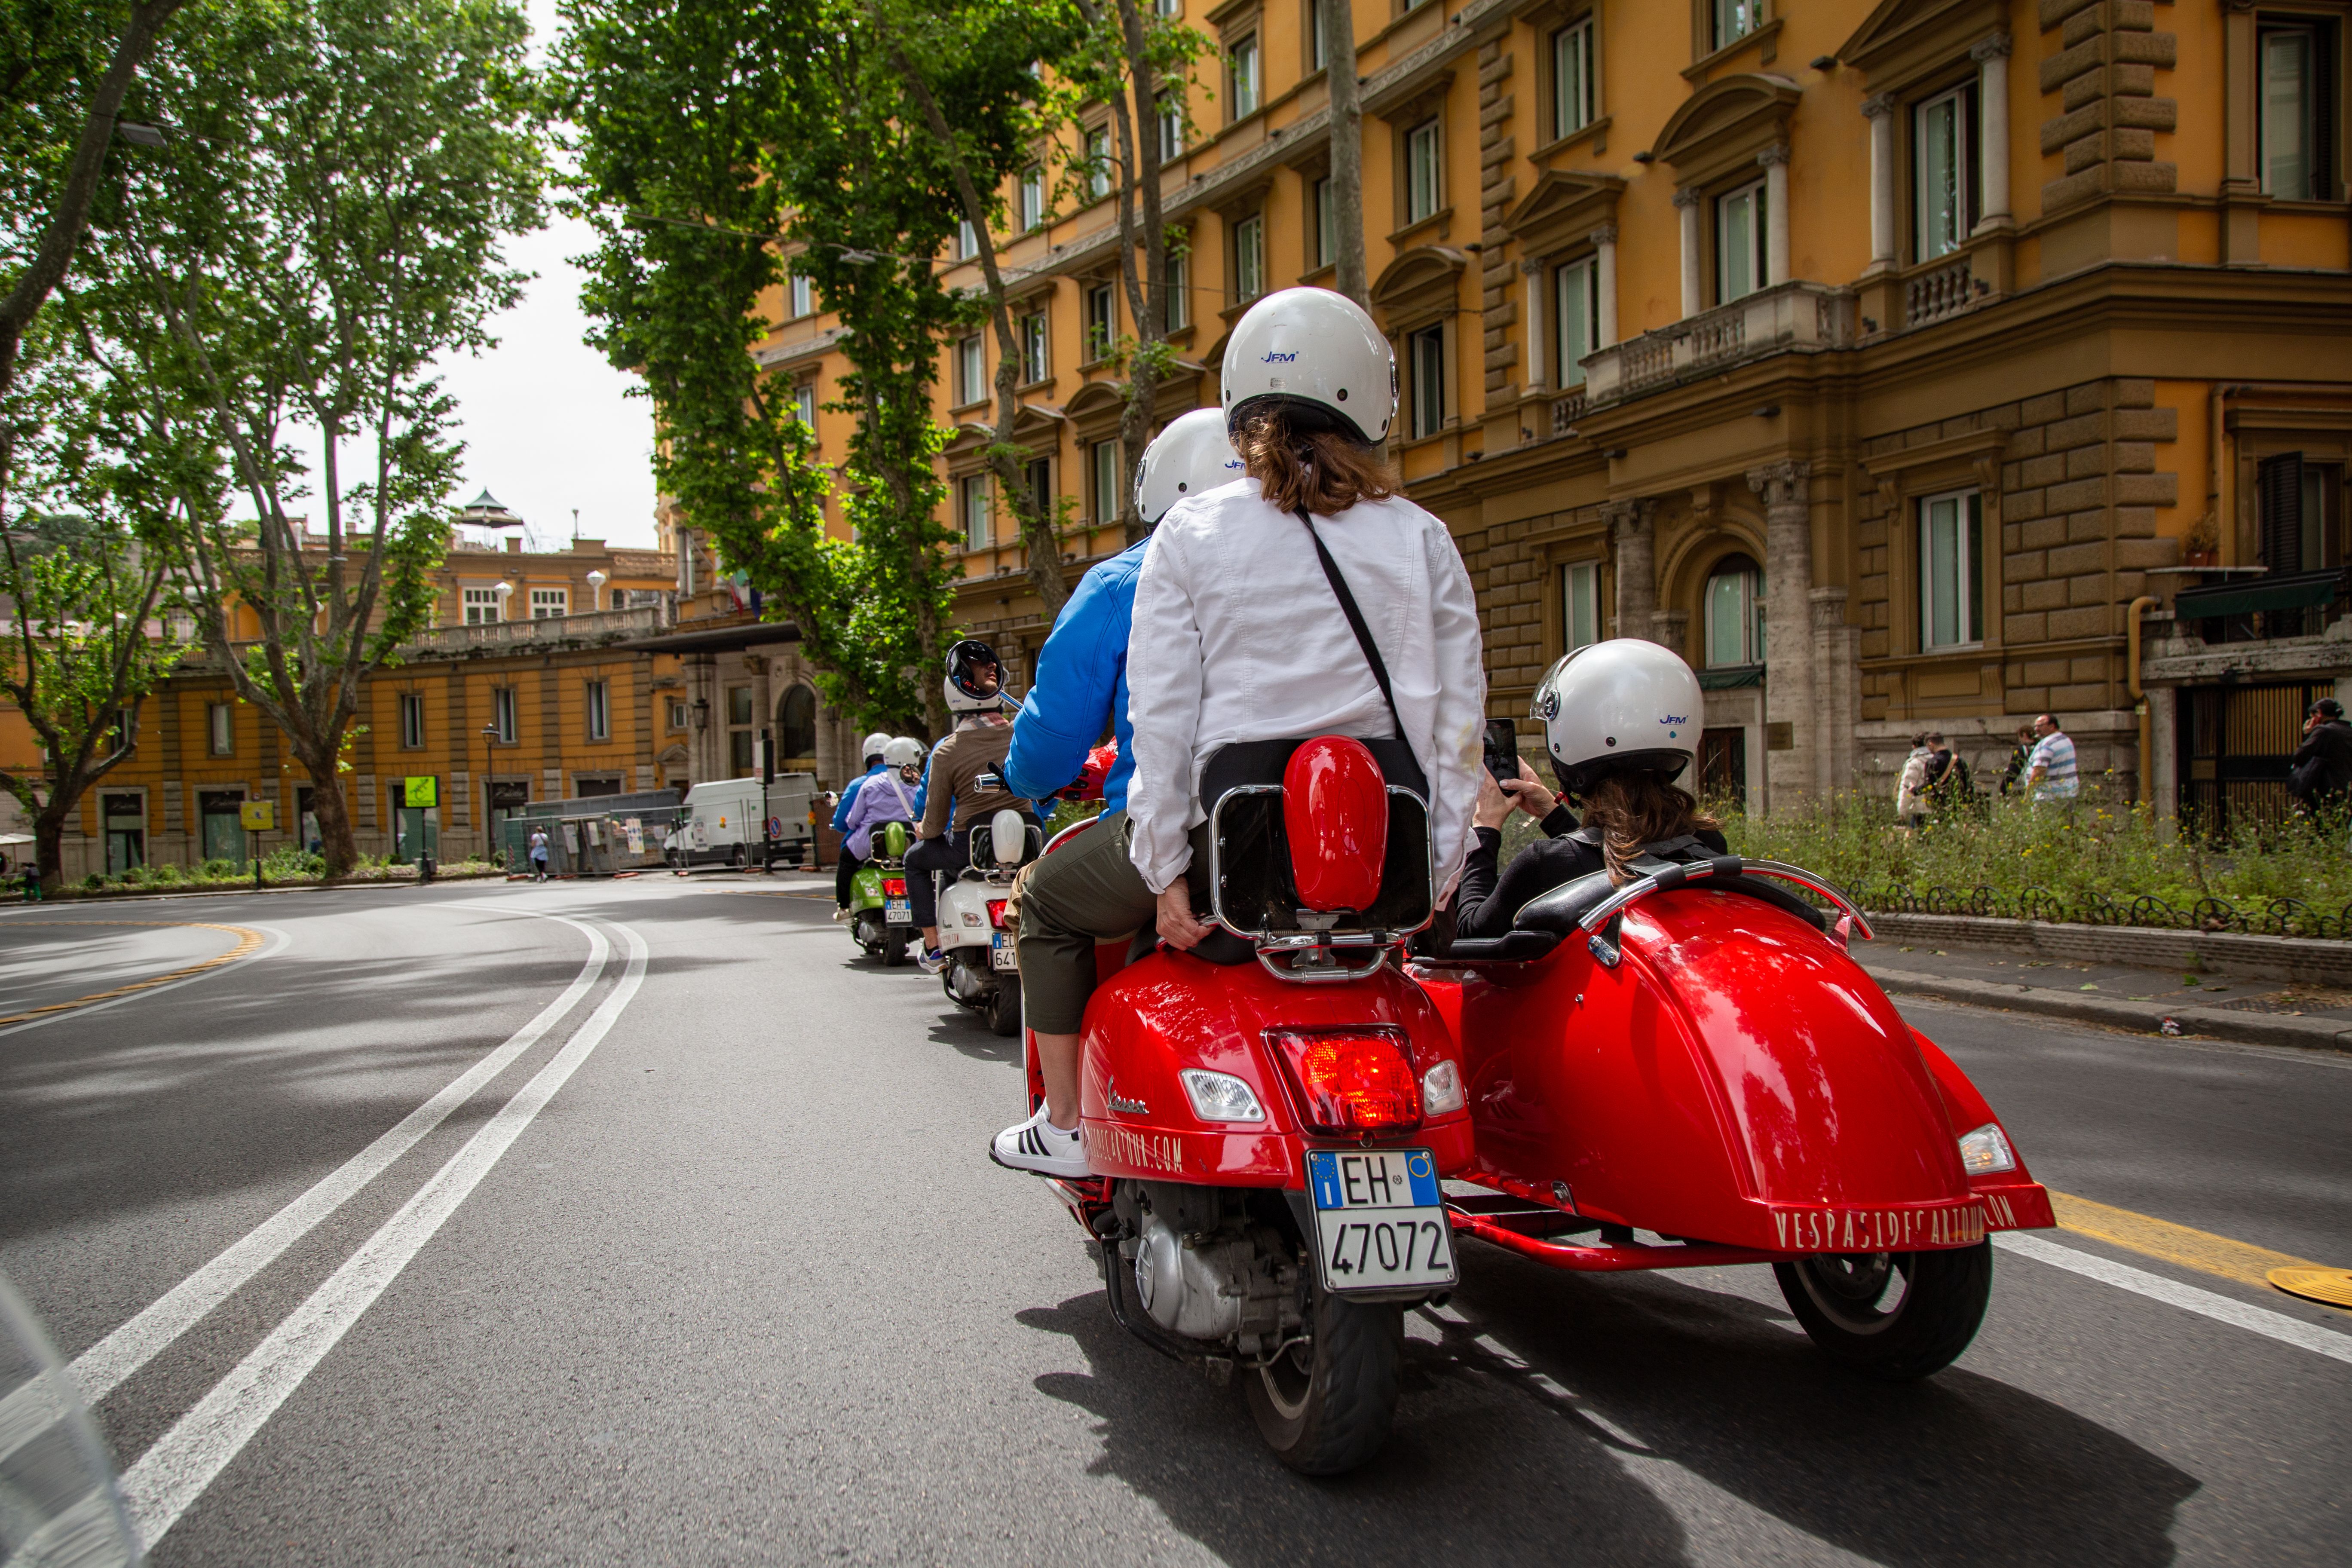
(1278, 357)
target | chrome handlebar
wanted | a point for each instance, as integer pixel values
(1609, 952)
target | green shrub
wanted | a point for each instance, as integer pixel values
(217, 869)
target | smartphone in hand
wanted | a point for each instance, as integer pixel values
(1503, 750)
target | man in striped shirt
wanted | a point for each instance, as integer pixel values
(2051, 774)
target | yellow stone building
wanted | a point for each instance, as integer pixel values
(1880, 359)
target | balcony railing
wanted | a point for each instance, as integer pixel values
(1802, 317)
(1565, 409)
(1941, 292)
(600, 625)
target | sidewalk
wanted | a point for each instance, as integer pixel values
(2258, 1012)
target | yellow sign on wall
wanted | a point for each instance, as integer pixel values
(421, 792)
(258, 815)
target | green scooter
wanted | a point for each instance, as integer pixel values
(881, 920)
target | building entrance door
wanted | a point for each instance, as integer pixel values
(126, 831)
(2237, 747)
(1723, 765)
(224, 836)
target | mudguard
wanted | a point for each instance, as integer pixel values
(1736, 1078)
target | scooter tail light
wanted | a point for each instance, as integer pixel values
(894, 886)
(996, 913)
(1354, 1079)
(1986, 1151)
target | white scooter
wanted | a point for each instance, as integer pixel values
(983, 970)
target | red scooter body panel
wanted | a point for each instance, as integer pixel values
(1736, 1078)
(1171, 1011)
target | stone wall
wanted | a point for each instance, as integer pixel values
(2109, 113)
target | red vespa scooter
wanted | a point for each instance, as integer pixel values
(1696, 1055)
(1269, 1116)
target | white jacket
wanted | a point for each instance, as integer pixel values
(1238, 637)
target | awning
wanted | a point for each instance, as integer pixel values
(1731, 678)
(2288, 591)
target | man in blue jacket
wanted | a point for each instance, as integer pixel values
(846, 872)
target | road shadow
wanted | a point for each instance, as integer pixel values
(1539, 1430)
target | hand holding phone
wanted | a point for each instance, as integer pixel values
(1503, 751)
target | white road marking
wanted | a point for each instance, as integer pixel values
(99, 1370)
(2188, 1298)
(175, 1471)
(277, 943)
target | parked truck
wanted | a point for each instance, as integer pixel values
(724, 824)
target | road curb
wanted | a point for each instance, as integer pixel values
(2146, 1017)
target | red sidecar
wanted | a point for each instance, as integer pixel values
(1697, 1055)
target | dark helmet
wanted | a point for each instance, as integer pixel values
(965, 691)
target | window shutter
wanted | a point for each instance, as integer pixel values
(2324, 132)
(2278, 482)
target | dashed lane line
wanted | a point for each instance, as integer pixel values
(248, 942)
(175, 1471)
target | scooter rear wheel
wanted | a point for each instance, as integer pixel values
(893, 950)
(1841, 1300)
(1005, 1008)
(1325, 1407)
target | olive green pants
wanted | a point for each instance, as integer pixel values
(1086, 893)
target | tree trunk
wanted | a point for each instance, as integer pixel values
(49, 840)
(334, 813)
(1148, 295)
(1346, 149)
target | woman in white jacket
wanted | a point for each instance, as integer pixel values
(1239, 635)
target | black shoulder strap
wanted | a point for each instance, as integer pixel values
(1355, 622)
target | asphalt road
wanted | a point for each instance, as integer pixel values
(705, 1263)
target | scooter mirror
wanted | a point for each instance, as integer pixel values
(1008, 836)
(1335, 809)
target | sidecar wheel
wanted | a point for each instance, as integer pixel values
(1939, 1300)
(1005, 1008)
(1325, 1407)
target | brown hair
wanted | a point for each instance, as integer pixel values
(1634, 808)
(1321, 471)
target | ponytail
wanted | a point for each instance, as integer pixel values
(1628, 810)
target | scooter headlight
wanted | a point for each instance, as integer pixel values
(1986, 1151)
(1440, 1089)
(1220, 1095)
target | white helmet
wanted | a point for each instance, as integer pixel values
(874, 746)
(1192, 454)
(1317, 355)
(967, 692)
(1620, 706)
(906, 751)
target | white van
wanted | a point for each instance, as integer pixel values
(722, 823)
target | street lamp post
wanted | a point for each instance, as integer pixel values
(489, 761)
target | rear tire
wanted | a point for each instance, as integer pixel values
(1325, 1407)
(1841, 1300)
(893, 950)
(1005, 1008)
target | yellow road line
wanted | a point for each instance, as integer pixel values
(247, 941)
(2190, 1248)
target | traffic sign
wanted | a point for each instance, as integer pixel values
(258, 815)
(425, 791)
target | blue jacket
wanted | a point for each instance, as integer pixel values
(849, 797)
(1081, 684)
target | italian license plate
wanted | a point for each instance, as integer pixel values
(897, 911)
(1379, 1223)
(1001, 953)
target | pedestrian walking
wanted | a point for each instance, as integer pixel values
(1949, 788)
(539, 854)
(1911, 787)
(2321, 779)
(2020, 757)
(2051, 774)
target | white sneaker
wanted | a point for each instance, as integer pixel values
(1036, 1144)
(932, 962)
(840, 915)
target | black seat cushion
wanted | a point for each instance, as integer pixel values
(1563, 909)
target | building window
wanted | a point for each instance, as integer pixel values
(600, 710)
(1951, 587)
(1168, 9)
(804, 405)
(979, 528)
(971, 370)
(678, 713)
(2295, 128)
(1421, 172)
(1733, 20)
(412, 721)
(1098, 162)
(1576, 307)
(1249, 259)
(547, 604)
(796, 724)
(1326, 222)
(1427, 351)
(739, 719)
(1739, 266)
(1103, 479)
(1179, 285)
(1944, 135)
(505, 715)
(1244, 76)
(1033, 197)
(1581, 615)
(1571, 77)
(967, 240)
(1040, 486)
(1102, 320)
(803, 295)
(1034, 364)
(220, 729)
(1171, 127)
(2300, 504)
(1313, 35)
(1735, 615)
(481, 607)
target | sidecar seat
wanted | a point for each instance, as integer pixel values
(1548, 918)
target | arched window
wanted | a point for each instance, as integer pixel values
(796, 724)
(1735, 612)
